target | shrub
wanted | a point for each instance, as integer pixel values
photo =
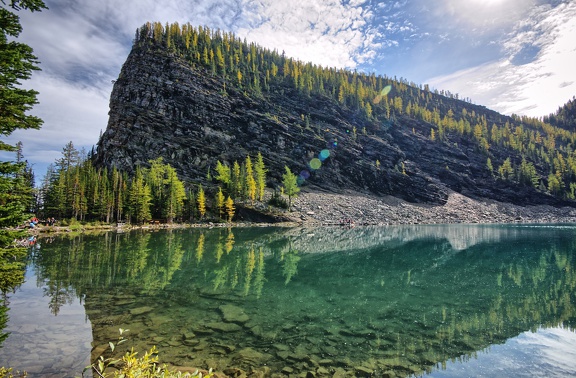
(130, 365)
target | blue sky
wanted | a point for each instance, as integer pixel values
(513, 56)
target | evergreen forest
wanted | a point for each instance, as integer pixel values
(74, 189)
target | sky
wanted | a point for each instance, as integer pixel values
(513, 56)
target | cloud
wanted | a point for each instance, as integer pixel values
(328, 33)
(534, 85)
(71, 112)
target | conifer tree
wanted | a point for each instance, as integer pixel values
(140, 197)
(219, 202)
(260, 171)
(201, 199)
(290, 185)
(236, 182)
(230, 209)
(506, 171)
(223, 173)
(175, 195)
(250, 181)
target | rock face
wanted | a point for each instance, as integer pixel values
(162, 106)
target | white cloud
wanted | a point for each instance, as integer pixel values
(71, 112)
(328, 33)
(535, 88)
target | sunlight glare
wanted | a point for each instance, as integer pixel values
(487, 14)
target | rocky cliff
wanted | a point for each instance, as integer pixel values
(162, 105)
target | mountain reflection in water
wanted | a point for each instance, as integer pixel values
(371, 300)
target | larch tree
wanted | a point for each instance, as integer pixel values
(175, 195)
(260, 172)
(290, 185)
(201, 199)
(250, 181)
(230, 209)
(220, 199)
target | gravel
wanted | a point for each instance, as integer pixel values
(329, 208)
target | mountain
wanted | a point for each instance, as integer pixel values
(196, 96)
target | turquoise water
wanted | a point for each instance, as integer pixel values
(444, 301)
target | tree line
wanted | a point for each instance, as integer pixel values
(74, 189)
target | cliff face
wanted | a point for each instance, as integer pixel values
(163, 106)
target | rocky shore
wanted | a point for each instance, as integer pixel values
(325, 209)
(330, 208)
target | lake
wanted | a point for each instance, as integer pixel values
(437, 301)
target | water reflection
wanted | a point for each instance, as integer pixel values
(381, 300)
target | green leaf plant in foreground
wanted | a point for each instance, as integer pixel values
(147, 366)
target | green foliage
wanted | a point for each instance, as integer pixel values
(230, 209)
(201, 199)
(16, 63)
(290, 185)
(7, 373)
(250, 182)
(260, 171)
(74, 188)
(167, 190)
(277, 200)
(223, 173)
(219, 202)
(140, 197)
(130, 365)
(527, 174)
(506, 171)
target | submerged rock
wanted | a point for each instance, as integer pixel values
(140, 310)
(252, 356)
(224, 327)
(233, 314)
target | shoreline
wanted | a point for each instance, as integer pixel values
(315, 209)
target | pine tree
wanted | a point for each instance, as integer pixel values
(140, 197)
(17, 62)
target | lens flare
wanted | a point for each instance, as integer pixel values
(315, 164)
(323, 155)
(382, 94)
(386, 90)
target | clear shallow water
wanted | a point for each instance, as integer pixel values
(397, 301)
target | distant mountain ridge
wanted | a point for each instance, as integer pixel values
(196, 96)
(565, 116)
